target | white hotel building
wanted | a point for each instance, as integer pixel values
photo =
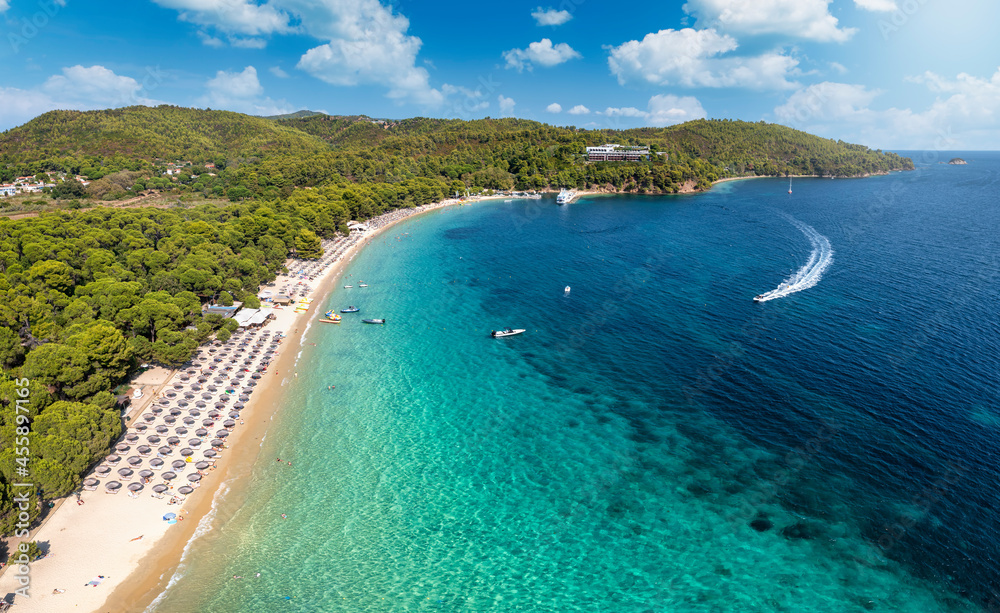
(617, 153)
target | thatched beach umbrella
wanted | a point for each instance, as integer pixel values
(185, 490)
(153, 439)
(207, 422)
(202, 465)
(201, 404)
(134, 461)
(252, 383)
(112, 487)
(90, 484)
(146, 473)
(194, 477)
(135, 487)
(189, 396)
(102, 471)
(222, 434)
(177, 464)
(214, 414)
(181, 430)
(163, 402)
(234, 415)
(237, 407)
(256, 375)
(112, 459)
(164, 450)
(144, 450)
(206, 396)
(125, 473)
(149, 417)
(212, 388)
(122, 448)
(170, 420)
(161, 429)
(168, 476)
(175, 412)
(194, 442)
(156, 410)
(201, 432)
(173, 441)
(170, 394)
(187, 451)
(218, 442)
(183, 403)
(178, 386)
(220, 405)
(210, 453)
(229, 424)
(156, 463)
(140, 428)
(196, 387)
(189, 420)
(131, 438)
(159, 488)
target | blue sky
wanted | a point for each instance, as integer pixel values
(894, 74)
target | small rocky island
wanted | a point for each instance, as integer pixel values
(957, 161)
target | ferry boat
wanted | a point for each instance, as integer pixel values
(350, 309)
(506, 332)
(565, 196)
(373, 321)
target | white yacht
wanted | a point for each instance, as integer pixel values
(566, 291)
(565, 196)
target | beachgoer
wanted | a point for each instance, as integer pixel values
(283, 516)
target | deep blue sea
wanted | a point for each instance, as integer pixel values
(656, 441)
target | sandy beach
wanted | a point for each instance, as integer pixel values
(116, 552)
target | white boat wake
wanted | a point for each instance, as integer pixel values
(810, 274)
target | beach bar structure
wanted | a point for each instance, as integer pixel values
(252, 318)
(617, 153)
(281, 299)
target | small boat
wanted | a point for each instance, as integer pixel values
(373, 321)
(566, 291)
(348, 286)
(758, 298)
(789, 185)
(330, 321)
(350, 309)
(506, 332)
(332, 315)
(565, 196)
(362, 285)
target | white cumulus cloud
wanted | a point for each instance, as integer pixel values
(77, 88)
(550, 17)
(691, 58)
(662, 110)
(241, 92)
(965, 115)
(882, 6)
(362, 41)
(555, 107)
(579, 110)
(543, 53)
(237, 16)
(506, 105)
(809, 19)
(4, 5)
(278, 72)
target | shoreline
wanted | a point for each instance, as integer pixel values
(155, 571)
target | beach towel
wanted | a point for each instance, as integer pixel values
(95, 581)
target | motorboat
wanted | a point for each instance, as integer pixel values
(350, 309)
(565, 196)
(373, 321)
(348, 286)
(506, 332)
(362, 285)
(758, 298)
(566, 291)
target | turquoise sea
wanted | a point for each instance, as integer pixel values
(656, 441)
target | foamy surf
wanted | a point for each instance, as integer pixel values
(809, 275)
(204, 527)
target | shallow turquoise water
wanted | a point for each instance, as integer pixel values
(616, 456)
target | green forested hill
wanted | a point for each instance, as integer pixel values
(261, 157)
(142, 133)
